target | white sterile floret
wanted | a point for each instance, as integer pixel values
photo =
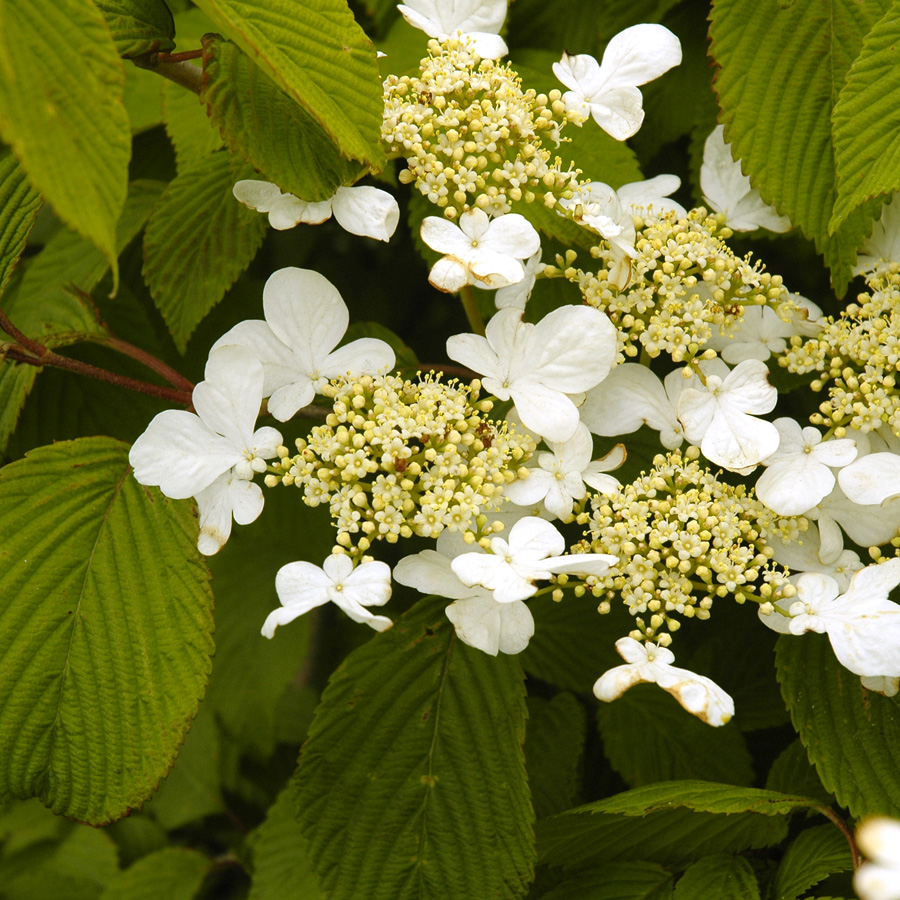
(608, 91)
(798, 474)
(866, 525)
(305, 319)
(861, 623)
(569, 351)
(720, 416)
(760, 333)
(478, 20)
(872, 479)
(533, 552)
(809, 555)
(879, 877)
(212, 455)
(479, 249)
(726, 189)
(302, 586)
(883, 246)
(559, 478)
(516, 295)
(649, 198)
(651, 663)
(365, 210)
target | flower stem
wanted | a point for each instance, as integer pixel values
(476, 323)
(176, 379)
(829, 813)
(176, 68)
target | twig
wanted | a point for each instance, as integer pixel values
(180, 71)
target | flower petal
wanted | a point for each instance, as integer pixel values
(366, 211)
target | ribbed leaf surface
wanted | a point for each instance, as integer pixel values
(174, 873)
(815, 854)
(19, 204)
(320, 57)
(718, 877)
(192, 134)
(271, 131)
(633, 880)
(198, 241)
(105, 630)
(781, 68)
(71, 134)
(867, 120)
(412, 782)
(852, 736)
(138, 26)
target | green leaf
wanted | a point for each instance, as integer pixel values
(780, 128)
(175, 873)
(105, 640)
(320, 57)
(616, 881)
(280, 862)
(19, 204)
(143, 99)
(648, 737)
(867, 120)
(270, 130)
(718, 877)
(852, 736)
(188, 126)
(815, 854)
(792, 771)
(198, 241)
(412, 781)
(70, 133)
(138, 26)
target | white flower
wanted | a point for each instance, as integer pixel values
(365, 210)
(478, 20)
(861, 623)
(866, 525)
(643, 198)
(719, 416)
(761, 333)
(651, 663)
(479, 249)
(533, 552)
(301, 586)
(516, 295)
(872, 479)
(305, 319)
(879, 878)
(726, 189)
(609, 91)
(212, 455)
(560, 476)
(883, 245)
(798, 474)
(569, 351)
(881, 684)
(808, 555)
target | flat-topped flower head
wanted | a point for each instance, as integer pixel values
(305, 319)
(476, 21)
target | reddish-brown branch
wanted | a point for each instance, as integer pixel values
(176, 379)
(829, 813)
(180, 57)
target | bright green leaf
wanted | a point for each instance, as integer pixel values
(718, 877)
(632, 880)
(412, 781)
(61, 111)
(321, 59)
(174, 873)
(143, 99)
(780, 127)
(815, 854)
(19, 204)
(139, 26)
(867, 120)
(852, 735)
(105, 638)
(265, 126)
(192, 134)
(198, 241)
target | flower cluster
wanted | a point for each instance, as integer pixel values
(472, 138)
(857, 356)
(397, 458)
(683, 539)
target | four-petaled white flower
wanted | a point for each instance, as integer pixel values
(305, 319)
(301, 586)
(212, 455)
(608, 91)
(365, 211)
(809, 555)
(883, 245)
(479, 249)
(650, 663)
(533, 552)
(762, 332)
(567, 352)
(477, 20)
(560, 476)
(879, 877)
(651, 197)
(861, 623)
(726, 189)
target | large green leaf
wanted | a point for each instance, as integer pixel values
(780, 126)
(19, 204)
(139, 26)
(412, 782)
(867, 120)
(631, 880)
(718, 877)
(105, 635)
(198, 241)
(188, 126)
(175, 873)
(271, 131)
(320, 57)
(71, 133)
(852, 736)
(815, 854)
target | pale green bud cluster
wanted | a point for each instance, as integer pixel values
(858, 358)
(397, 458)
(686, 286)
(683, 539)
(471, 136)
